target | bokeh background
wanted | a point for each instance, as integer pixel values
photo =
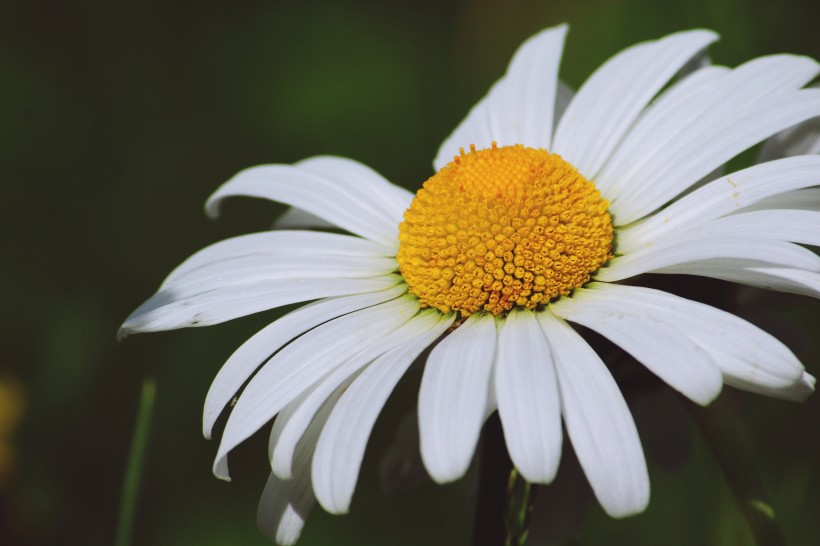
(120, 118)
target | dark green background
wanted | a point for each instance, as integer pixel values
(117, 119)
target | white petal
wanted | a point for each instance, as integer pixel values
(342, 442)
(250, 270)
(528, 400)
(794, 281)
(454, 396)
(287, 432)
(296, 218)
(611, 99)
(802, 139)
(647, 336)
(741, 350)
(302, 363)
(805, 199)
(696, 115)
(723, 196)
(519, 107)
(598, 422)
(713, 146)
(798, 391)
(280, 245)
(798, 226)
(285, 504)
(739, 251)
(164, 311)
(349, 204)
(251, 354)
(283, 509)
(391, 199)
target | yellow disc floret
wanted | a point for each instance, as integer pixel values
(502, 228)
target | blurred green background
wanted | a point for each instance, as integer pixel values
(120, 118)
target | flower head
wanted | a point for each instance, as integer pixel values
(541, 202)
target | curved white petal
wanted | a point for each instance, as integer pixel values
(454, 396)
(251, 354)
(724, 196)
(658, 120)
(598, 422)
(608, 103)
(805, 199)
(250, 270)
(696, 115)
(797, 226)
(287, 432)
(793, 281)
(302, 363)
(799, 391)
(349, 204)
(713, 146)
(528, 399)
(739, 251)
(802, 139)
(391, 199)
(743, 351)
(649, 338)
(285, 504)
(296, 218)
(342, 443)
(164, 311)
(284, 508)
(280, 245)
(519, 107)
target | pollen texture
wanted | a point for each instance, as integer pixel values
(501, 228)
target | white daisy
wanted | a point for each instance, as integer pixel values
(557, 198)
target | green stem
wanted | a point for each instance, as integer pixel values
(133, 469)
(519, 509)
(720, 432)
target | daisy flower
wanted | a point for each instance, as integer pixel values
(541, 202)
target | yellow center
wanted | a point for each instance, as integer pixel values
(500, 228)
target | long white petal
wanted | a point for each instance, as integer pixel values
(611, 99)
(691, 114)
(658, 120)
(798, 391)
(519, 107)
(286, 432)
(250, 270)
(805, 199)
(342, 442)
(798, 226)
(391, 199)
(713, 147)
(358, 208)
(302, 363)
(454, 396)
(285, 504)
(647, 336)
(723, 196)
(281, 245)
(251, 354)
(296, 218)
(793, 281)
(743, 251)
(598, 422)
(528, 399)
(802, 139)
(743, 351)
(164, 311)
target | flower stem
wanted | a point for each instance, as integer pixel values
(133, 469)
(719, 430)
(505, 498)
